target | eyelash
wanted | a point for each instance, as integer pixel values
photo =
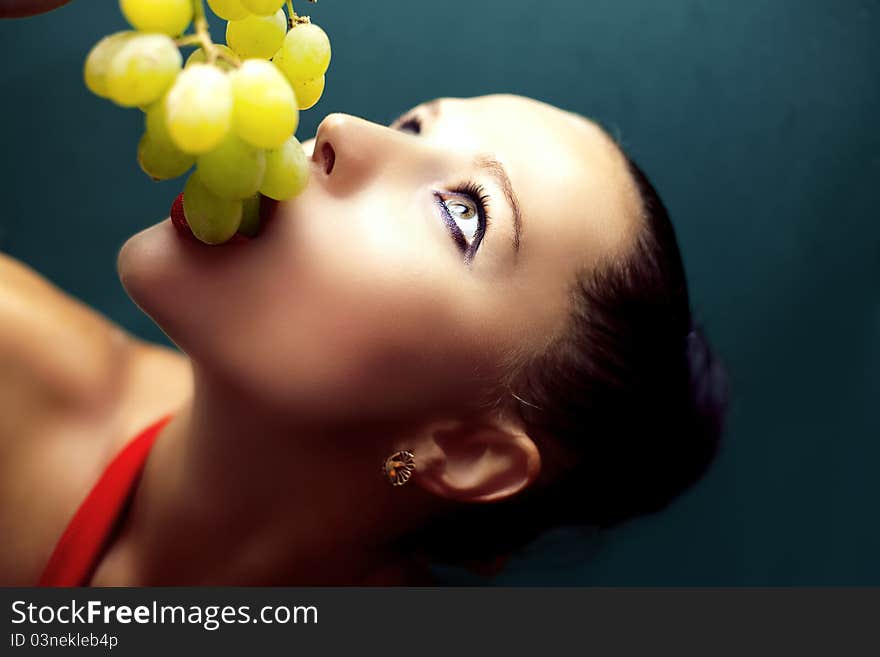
(477, 194)
(474, 191)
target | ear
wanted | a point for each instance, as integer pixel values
(477, 462)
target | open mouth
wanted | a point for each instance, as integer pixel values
(268, 212)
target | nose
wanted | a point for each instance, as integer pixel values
(351, 151)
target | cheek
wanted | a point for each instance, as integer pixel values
(333, 313)
(359, 310)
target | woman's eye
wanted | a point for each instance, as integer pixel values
(464, 213)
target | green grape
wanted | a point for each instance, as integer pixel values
(287, 171)
(156, 122)
(162, 161)
(198, 57)
(98, 61)
(142, 69)
(262, 7)
(308, 93)
(234, 169)
(265, 112)
(250, 216)
(228, 10)
(305, 53)
(213, 220)
(158, 156)
(169, 17)
(199, 109)
(257, 36)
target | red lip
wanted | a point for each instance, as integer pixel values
(179, 219)
(268, 212)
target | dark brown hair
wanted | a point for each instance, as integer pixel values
(632, 393)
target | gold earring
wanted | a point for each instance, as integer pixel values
(399, 467)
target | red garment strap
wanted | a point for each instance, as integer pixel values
(80, 547)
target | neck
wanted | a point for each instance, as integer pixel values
(238, 494)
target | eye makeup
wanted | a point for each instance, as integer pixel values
(465, 204)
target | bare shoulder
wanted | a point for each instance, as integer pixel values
(56, 354)
(73, 386)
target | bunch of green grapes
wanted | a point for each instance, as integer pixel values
(231, 110)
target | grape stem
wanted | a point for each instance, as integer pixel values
(202, 38)
(293, 18)
(189, 40)
(202, 32)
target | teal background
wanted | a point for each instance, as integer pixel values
(756, 120)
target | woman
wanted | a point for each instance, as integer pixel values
(506, 305)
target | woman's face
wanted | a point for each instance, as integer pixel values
(422, 262)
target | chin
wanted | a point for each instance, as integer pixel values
(158, 276)
(185, 287)
(144, 263)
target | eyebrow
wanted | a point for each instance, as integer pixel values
(495, 169)
(490, 165)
